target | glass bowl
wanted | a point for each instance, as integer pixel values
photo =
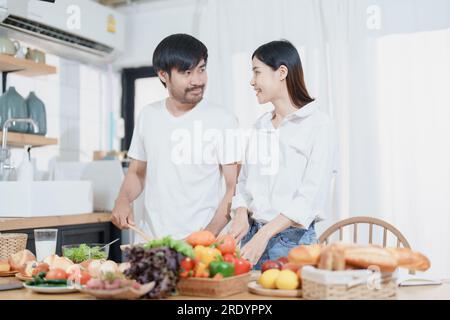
(85, 251)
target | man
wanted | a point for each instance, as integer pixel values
(179, 150)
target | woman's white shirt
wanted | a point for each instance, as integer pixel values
(288, 170)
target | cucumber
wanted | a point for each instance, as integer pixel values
(56, 281)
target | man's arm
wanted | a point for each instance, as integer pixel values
(131, 188)
(222, 215)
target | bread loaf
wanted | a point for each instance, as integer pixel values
(409, 259)
(305, 254)
(370, 256)
(4, 265)
(50, 259)
(326, 260)
(333, 258)
(18, 260)
(60, 263)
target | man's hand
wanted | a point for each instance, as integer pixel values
(122, 214)
(239, 225)
(132, 187)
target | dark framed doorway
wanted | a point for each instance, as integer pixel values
(129, 77)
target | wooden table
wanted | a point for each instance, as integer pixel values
(439, 292)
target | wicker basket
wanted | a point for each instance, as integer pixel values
(213, 288)
(11, 243)
(348, 285)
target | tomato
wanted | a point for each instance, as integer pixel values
(56, 274)
(242, 266)
(187, 264)
(292, 266)
(41, 267)
(271, 264)
(227, 244)
(81, 277)
(229, 257)
(283, 260)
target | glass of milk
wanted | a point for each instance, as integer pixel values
(45, 242)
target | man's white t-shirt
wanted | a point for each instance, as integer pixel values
(184, 184)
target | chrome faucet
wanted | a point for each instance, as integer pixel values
(5, 153)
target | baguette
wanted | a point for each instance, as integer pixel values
(369, 256)
(409, 259)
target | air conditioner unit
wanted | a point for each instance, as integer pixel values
(81, 30)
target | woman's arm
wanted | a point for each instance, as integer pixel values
(222, 215)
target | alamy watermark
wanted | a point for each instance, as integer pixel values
(208, 146)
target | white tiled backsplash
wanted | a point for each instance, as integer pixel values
(78, 99)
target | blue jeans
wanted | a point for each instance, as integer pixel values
(280, 245)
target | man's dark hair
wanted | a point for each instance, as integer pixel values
(180, 51)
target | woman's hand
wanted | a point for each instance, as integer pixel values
(255, 248)
(239, 226)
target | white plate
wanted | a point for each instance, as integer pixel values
(51, 289)
(256, 288)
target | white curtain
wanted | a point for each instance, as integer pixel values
(382, 70)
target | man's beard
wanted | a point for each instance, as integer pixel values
(185, 98)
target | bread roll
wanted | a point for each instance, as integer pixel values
(326, 259)
(18, 260)
(333, 258)
(338, 259)
(369, 256)
(85, 264)
(4, 265)
(409, 259)
(61, 263)
(50, 259)
(305, 254)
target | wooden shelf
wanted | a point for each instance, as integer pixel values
(19, 140)
(24, 67)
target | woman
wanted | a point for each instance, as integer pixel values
(275, 210)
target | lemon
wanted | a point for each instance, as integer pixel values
(287, 280)
(268, 278)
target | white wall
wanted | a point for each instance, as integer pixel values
(149, 23)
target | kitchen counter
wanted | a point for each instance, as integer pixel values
(51, 221)
(439, 292)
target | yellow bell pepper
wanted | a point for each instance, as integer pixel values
(206, 254)
(201, 270)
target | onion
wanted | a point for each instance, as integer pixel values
(109, 266)
(94, 268)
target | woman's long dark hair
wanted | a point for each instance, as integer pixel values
(278, 53)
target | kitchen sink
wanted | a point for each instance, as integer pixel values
(45, 198)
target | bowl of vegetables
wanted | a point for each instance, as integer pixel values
(85, 251)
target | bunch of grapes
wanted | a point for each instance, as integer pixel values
(160, 265)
